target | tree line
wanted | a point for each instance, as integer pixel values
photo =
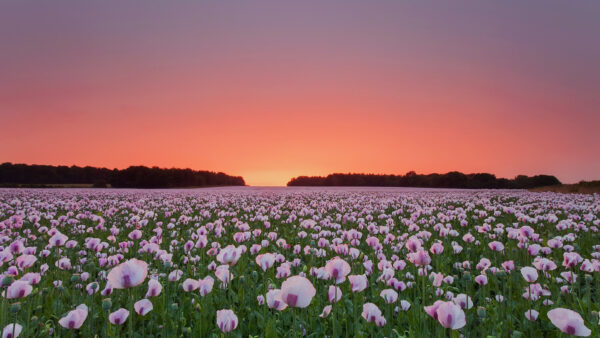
(132, 177)
(453, 179)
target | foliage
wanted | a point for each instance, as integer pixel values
(452, 179)
(132, 177)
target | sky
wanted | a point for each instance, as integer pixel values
(270, 90)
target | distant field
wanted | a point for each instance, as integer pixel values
(592, 187)
(48, 185)
(298, 262)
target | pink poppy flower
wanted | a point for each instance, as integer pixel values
(532, 315)
(75, 318)
(468, 238)
(587, 266)
(437, 279)
(227, 321)
(334, 294)
(534, 249)
(284, 270)
(419, 258)
(571, 259)
(370, 312)
(297, 291)
(63, 263)
(91, 288)
(569, 276)
(358, 282)
(205, 285)
(544, 264)
(154, 288)
(569, 322)
(223, 274)
(128, 274)
(530, 274)
(12, 331)
(338, 269)
(229, 255)
(481, 280)
(58, 239)
(142, 307)
(496, 246)
(175, 275)
(135, 235)
(437, 248)
(432, 309)
(380, 321)
(25, 261)
(386, 275)
(508, 266)
(190, 285)
(463, 301)
(404, 305)
(274, 300)
(326, 311)
(389, 295)
(413, 244)
(451, 316)
(265, 261)
(5, 256)
(18, 289)
(118, 317)
(32, 278)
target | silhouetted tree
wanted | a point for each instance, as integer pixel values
(453, 179)
(132, 177)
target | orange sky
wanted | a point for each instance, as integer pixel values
(274, 90)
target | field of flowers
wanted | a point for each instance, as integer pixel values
(298, 262)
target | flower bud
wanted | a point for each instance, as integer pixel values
(106, 304)
(7, 280)
(15, 307)
(481, 312)
(467, 276)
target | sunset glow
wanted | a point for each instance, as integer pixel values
(270, 90)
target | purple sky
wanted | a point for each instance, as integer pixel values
(274, 89)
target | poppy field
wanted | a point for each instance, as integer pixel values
(243, 262)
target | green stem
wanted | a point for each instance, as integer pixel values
(333, 321)
(3, 311)
(164, 314)
(355, 313)
(29, 317)
(422, 301)
(14, 325)
(294, 323)
(107, 324)
(131, 313)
